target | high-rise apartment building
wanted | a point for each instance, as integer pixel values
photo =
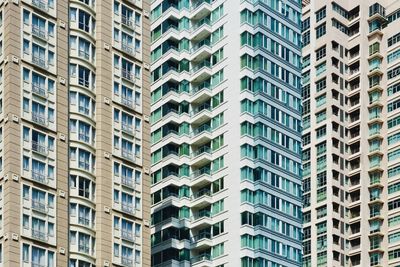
(351, 56)
(74, 135)
(226, 133)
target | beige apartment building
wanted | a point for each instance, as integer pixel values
(351, 118)
(74, 133)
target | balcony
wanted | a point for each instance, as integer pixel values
(84, 137)
(201, 113)
(203, 129)
(125, 261)
(39, 32)
(39, 119)
(127, 128)
(127, 102)
(128, 208)
(128, 75)
(83, 248)
(203, 260)
(42, 5)
(197, 72)
(39, 91)
(40, 62)
(201, 92)
(84, 54)
(201, 237)
(201, 176)
(127, 21)
(128, 182)
(85, 165)
(127, 48)
(199, 29)
(39, 206)
(201, 155)
(127, 154)
(127, 235)
(39, 148)
(203, 196)
(39, 235)
(201, 219)
(39, 177)
(84, 221)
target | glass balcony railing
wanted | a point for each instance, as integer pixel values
(200, 258)
(84, 54)
(200, 151)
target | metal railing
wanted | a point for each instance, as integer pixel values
(37, 147)
(40, 4)
(39, 206)
(39, 32)
(39, 90)
(39, 177)
(41, 62)
(39, 235)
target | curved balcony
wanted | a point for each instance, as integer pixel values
(128, 208)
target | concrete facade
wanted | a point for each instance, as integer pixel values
(350, 129)
(74, 133)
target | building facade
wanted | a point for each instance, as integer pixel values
(226, 133)
(350, 133)
(74, 133)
